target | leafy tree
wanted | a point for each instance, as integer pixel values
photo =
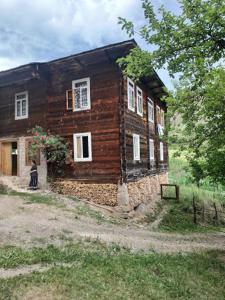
(191, 45)
(188, 42)
(53, 147)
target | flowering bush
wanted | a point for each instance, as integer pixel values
(54, 148)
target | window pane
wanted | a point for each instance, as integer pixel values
(18, 113)
(23, 107)
(85, 147)
(84, 97)
(79, 147)
(78, 98)
(81, 84)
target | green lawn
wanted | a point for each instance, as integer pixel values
(98, 272)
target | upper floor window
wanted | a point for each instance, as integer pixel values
(81, 91)
(139, 102)
(158, 114)
(151, 149)
(130, 93)
(82, 147)
(162, 118)
(21, 106)
(150, 110)
(136, 147)
(161, 148)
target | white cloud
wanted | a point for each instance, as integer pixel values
(41, 30)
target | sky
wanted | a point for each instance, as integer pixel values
(42, 30)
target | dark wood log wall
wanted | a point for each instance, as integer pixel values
(135, 124)
(102, 120)
(37, 99)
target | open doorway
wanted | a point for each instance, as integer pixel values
(9, 158)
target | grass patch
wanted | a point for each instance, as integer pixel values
(180, 215)
(32, 197)
(99, 272)
(85, 210)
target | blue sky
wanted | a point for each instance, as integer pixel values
(46, 29)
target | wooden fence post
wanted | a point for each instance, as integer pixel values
(194, 211)
(216, 215)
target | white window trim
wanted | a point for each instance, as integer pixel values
(140, 113)
(161, 147)
(150, 102)
(151, 155)
(75, 135)
(138, 157)
(128, 99)
(21, 117)
(87, 79)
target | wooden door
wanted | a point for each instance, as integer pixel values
(6, 159)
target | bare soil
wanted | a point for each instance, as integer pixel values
(27, 225)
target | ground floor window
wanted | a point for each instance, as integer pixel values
(82, 146)
(151, 149)
(136, 147)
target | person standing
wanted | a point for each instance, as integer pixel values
(33, 176)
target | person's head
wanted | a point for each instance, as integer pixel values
(33, 162)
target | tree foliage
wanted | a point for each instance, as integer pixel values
(192, 45)
(192, 40)
(53, 147)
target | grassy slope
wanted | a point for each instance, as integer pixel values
(180, 216)
(113, 273)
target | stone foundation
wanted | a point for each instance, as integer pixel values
(127, 197)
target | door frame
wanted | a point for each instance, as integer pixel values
(9, 140)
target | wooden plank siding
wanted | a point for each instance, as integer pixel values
(136, 124)
(37, 98)
(102, 120)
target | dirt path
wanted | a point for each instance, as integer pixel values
(30, 224)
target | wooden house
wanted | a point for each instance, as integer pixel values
(114, 126)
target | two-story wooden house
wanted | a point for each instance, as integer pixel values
(114, 126)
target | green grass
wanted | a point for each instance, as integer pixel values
(32, 197)
(98, 272)
(84, 210)
(180, 215)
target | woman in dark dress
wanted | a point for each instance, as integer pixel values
(33, 176)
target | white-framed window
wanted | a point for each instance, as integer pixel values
(82, 147)
(130, 94)
(139, 102)
(151, 149)
(162, 118)
(21, 105)
(158, 114)
(136, 147)
(161, 148)
(81, 92)
(150, 110)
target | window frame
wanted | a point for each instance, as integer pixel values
(162, 118)
(138, 89)
(87, 79)
(128, 97)
(151, 103)
(16, 100)
(151, 153)
(161, 151)
(136, 158)
(82, 134)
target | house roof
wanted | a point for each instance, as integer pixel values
(111, 52)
